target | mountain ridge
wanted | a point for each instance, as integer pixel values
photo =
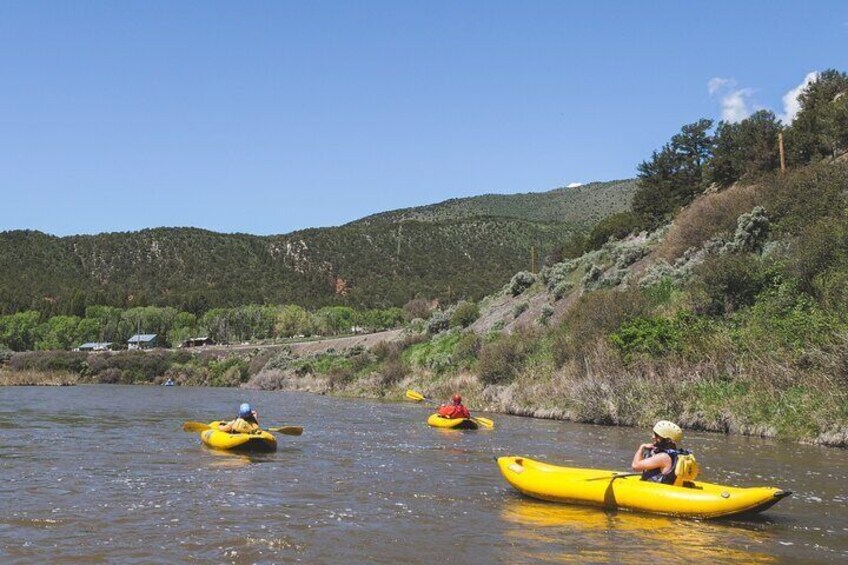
(464, 252)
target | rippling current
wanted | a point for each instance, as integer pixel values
(104, 474)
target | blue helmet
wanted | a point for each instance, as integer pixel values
(244, 410)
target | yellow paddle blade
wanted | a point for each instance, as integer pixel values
(413, 395)
(195, 427)
(485, 422)
(287, 430)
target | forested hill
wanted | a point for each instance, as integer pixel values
(365, 263)
(580, 207)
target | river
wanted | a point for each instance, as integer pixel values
(104, 474)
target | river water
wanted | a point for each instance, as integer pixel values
(104, 474)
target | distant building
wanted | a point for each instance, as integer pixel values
(94, 346)
(142, 341)
(197, 342)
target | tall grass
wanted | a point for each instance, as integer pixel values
(37, 378)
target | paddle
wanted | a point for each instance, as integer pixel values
(613, 476)
(287, 430)
(197, 427)
(418, 397)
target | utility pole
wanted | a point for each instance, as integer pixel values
(782, 153)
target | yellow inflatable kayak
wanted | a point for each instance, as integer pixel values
(259, 441)
(605, 488)
(456, 423)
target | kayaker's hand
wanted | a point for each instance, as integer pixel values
(648, 446)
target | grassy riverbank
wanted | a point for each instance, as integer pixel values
(721, 394)
(37, 378)
(732, 319)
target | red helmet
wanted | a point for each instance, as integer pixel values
(456, 399)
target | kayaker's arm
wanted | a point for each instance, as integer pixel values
(642, 463)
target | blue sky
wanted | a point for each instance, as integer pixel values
(267, 117)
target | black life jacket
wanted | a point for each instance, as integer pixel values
(656, 475)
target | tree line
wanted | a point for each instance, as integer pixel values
(31, 330)
(700, 155)
(705, 153)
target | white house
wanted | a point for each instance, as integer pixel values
(94, 346)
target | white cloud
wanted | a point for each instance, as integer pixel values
(791, 105)
(716, 84)
(574, 185)
(735, 102)
(734, 105)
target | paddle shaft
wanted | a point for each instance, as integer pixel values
(197, 427)
(613, 477)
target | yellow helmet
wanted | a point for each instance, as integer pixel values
(668, 430)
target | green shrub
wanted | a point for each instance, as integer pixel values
(439, 321)
(465, 314)
(466, 350)
(519, 308)
(562, 289)
(730, 282)
(592, 277)
(387, 350)
(751, 231)
(360, 361)
(556, 274)
(629, 254)
(652, 337)
(803, 197)
(435, 355)
(5, 353)
(595, 314)
(820, 250)
(520, 282)
(392, 372)
(340, 377)
(133, 366)
(45, 361)
(616, 226)
(280, 361)
(417, 308)
(784, 318)
(501, 360)
(228, 372)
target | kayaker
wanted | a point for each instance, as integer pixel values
(246, 423)
(455, 409)
(657, 460)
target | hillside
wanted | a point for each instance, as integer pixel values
(579, 207)
(457, 249)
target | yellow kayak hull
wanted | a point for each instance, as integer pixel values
(599, 488)
(455, 423)
(260, 441)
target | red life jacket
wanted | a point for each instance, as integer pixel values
(454, 411)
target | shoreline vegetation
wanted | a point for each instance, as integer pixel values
(719, 301)
(38, 378)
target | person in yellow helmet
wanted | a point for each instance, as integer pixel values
(657, 460)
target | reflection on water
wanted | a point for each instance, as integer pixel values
(105, 474)
(593, 535)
